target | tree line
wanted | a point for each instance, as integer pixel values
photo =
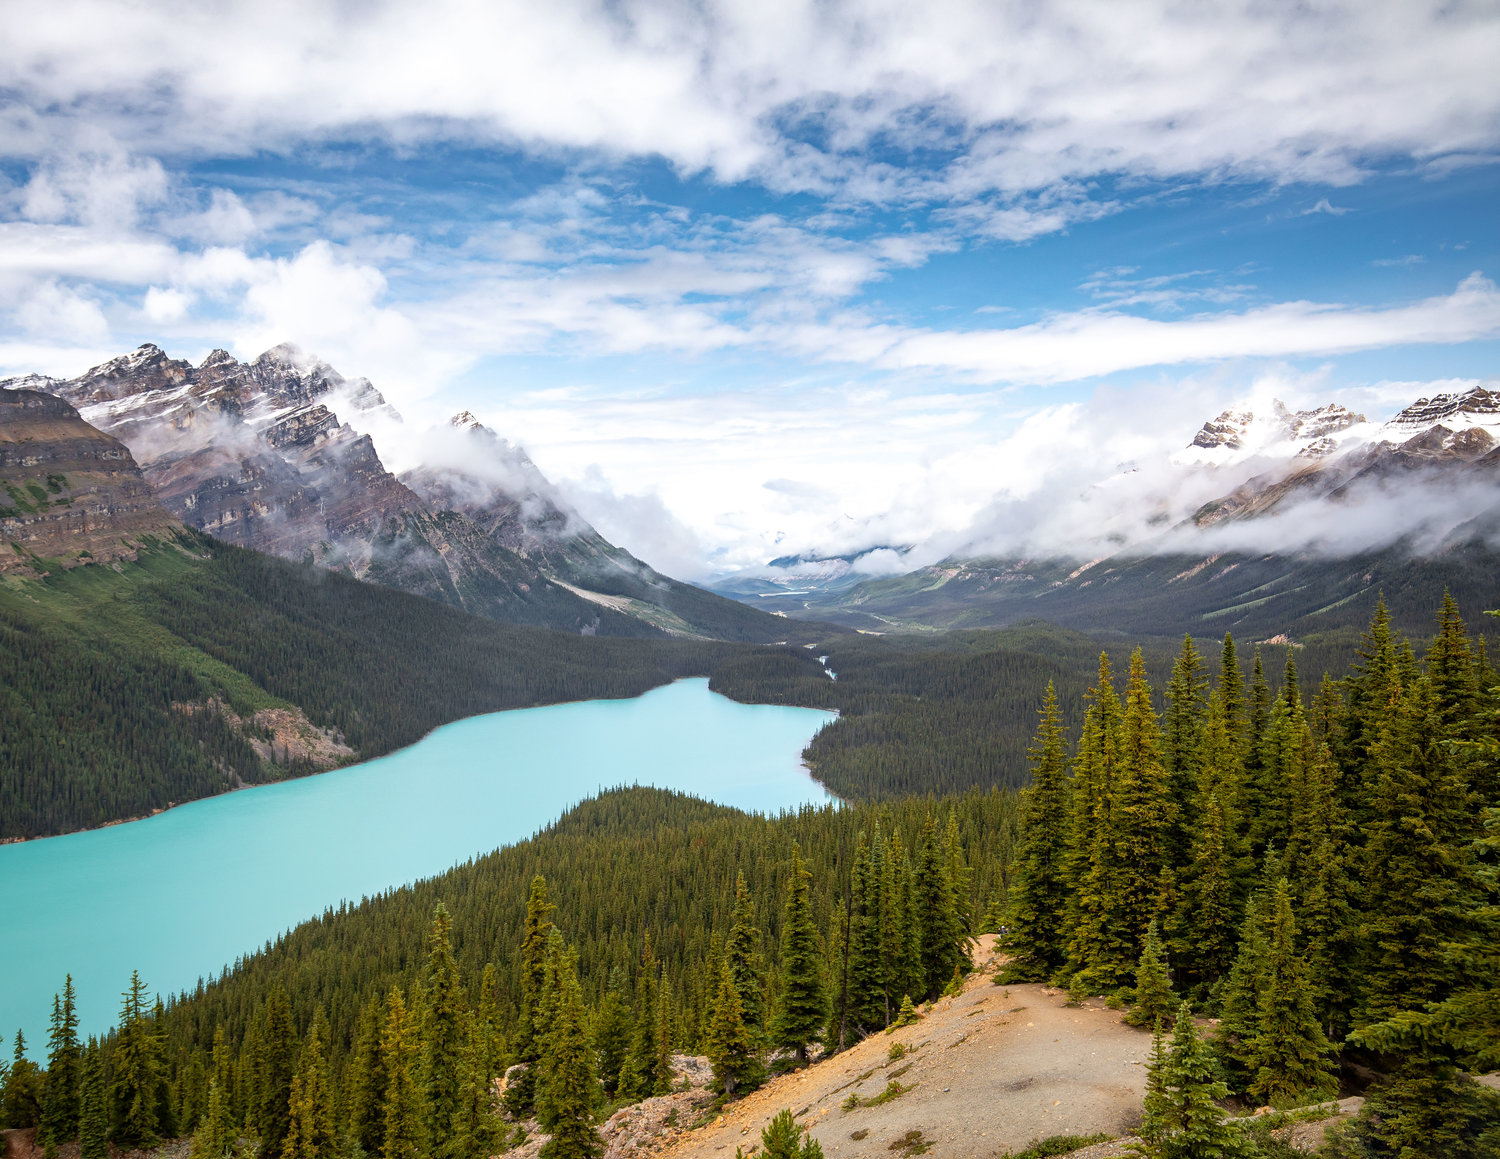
(1319, 872)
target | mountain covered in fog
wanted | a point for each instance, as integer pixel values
(1307, 517)
(275, 454)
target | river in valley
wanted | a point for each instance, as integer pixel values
(180, 895)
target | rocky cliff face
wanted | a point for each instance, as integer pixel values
(69, 494)
(269, 455)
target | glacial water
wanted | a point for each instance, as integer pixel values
(182, 894)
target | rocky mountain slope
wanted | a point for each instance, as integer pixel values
(1221, 568)
(269, 454)
(68, 493)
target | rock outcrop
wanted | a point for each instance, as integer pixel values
(69, 494)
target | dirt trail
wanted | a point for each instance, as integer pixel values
(992, 1069)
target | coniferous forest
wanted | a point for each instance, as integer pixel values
(1311, 864)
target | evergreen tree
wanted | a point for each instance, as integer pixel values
(742, 953)
(612, 1031)
(895, 922)
(60, 1098)
(93, 1106)
(568, 1071)
(401, 1058)
(23, 1088)
(1182, 742)
(1035, 937)
(639, 1076)
(310, 1133)
(1154, 1001)
(663, 1038)
(1289, 1054)
(803, 1009)
(1231, 692)
(525, 1049)
(781, 1138)
(1184, 1120)
(938, 930)
(365, 1081)
(730, 1050)
(1144, 816)
(1099, 950)
(1239, 1021)
(866, 1011)
(278, 1058)
(478, 1131)
(216, 1132)
(137, 1064)
(1208, 925)
(445, 1031)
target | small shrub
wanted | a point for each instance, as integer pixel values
(1056, 1145)
(912, 1143)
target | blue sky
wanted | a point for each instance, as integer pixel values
(751, 279)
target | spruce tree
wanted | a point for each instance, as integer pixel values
(277, 1064)
(445, 1031)
(1208, 892)
(365, 1080)
(742, 953)
(939, 945)
(866, 1010)
(729, 1047)
(1231, 691)
(525, 1049)
(137, 1065)
(60, 1098)
(612, 1031)
(93, 1106)
(1154, 1001)
(479, 1132)
(567, 1070)
(1239, 1021)
(310, 1132)
(1185, 1121)
(803, 1008)
(638, 1078)
(1289, 1054)
(23, 1089)
(781, 1138)
(663, 1038)
(216, 1131)
(1035, 937)
(1182, 743)
(401, 1058)
(1099, 947)
(1144, 816)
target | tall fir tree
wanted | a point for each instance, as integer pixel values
(137, 1063)
(612, 1031)
(445, 1032)
(216, 1131)
(1183, 1119)
(401, 1060)
(525, 1048)
(936, 910)
(1289, 1055)
(1183, 743)
(93, 1106)
(803, 1007)
(865, 1011)
(730, 1050)
(310, 1132)
(742, 952)
(1154, 1001)
(60, 1098)
(277, 1064)
(365, 1080)
(642, 1067)
(1145, 815)
(1035, 937)
(567, 1070)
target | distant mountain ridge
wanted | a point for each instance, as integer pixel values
(268, 454)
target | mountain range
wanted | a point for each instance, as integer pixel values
(270, 454)
(1275, 553)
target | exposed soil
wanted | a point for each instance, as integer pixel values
(991, 1069)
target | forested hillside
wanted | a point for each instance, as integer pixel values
(1316, 867)
(123, 691)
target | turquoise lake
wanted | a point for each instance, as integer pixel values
(182, 894)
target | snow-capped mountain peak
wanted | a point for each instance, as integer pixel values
(1239, 433)
(1476, 408)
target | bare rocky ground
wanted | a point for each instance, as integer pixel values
(989, 1070)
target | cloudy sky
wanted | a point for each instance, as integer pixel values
(774, 277)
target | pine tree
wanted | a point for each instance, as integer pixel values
(1154, 1001)
(638, 1078)
(23, 1089)
(1289, 1055)
(60, 1098)
(93, 1106)
(1035, 937)
(137, 1064)
(663, 1039)
(742, 953)
(216, 1132)
(310, 1133)
(1182, 743)
(1208, 892)
(567, 1068)
(401, 1108)
(445, 1031)
(278, 1061)
(1185, 1121)
(895, 927)
(1232, 694)
(729, 1047)
(803, 1008)
(478, 1131)
(1239, 1022)
(525, 1050)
